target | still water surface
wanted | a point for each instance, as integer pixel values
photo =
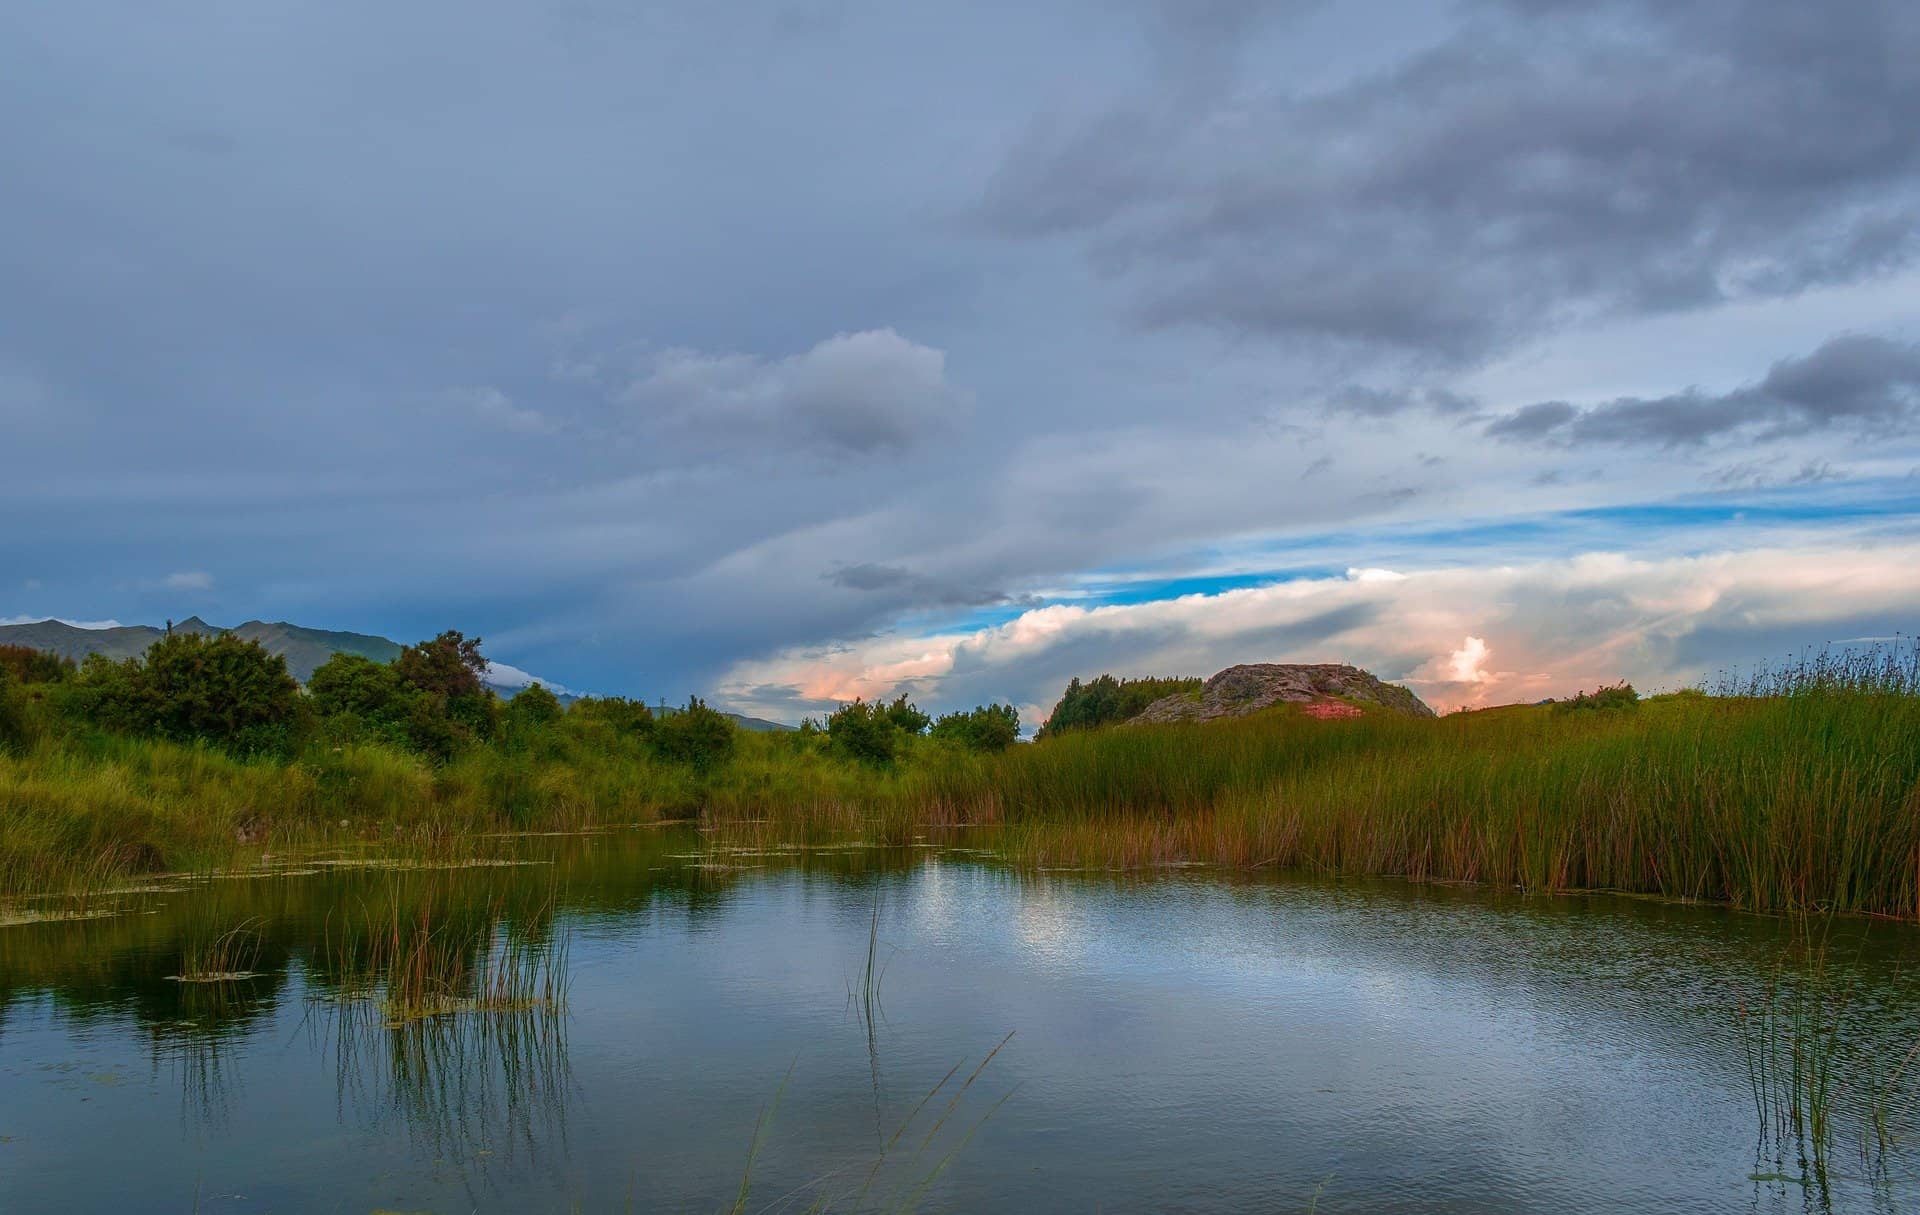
(1191, 1042)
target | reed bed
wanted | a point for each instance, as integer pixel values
(1820, 1068)
(1790, 787)
(428, 949)
(1777, 803)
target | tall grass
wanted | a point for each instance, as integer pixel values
(1793, 787)
(1801, 801)
(425, 949)
(1819, 1066)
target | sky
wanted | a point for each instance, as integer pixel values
(790, 351)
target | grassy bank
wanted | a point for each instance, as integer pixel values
(1798, 791)
(1799, 801)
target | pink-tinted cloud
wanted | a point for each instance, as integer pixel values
(1461, 637)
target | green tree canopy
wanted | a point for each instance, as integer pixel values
(985, 728)
(623, 716)
(191, 686)
(16, 728)
(28, 665)
(904, 717)
(1106, 700)
(532, 707)
(352, 684)
(449, 668)
(864, 732)
(695, 735)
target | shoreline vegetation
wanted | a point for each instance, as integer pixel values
(1795, 788)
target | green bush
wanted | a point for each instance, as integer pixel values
(696, 735)
(448, 669)
(351, 685)
(1107, 701)
(28, 665)
(629, 718)
(1612, 698)
(904, 717)
(103, 693)
(360, 700)
(192, 687)
(219, 689)
(863, 732)
(532, 708)
(986, 728)
(16, 727)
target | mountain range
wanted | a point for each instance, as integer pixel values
(303, 648)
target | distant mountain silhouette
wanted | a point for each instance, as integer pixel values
(304, 649)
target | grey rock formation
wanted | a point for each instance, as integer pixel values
(1238, 691)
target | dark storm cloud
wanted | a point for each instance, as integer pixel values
(1541, 164)
(1856, 383)
(604, 329)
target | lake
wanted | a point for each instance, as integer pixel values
(822, 1025)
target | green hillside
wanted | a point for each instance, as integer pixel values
(304, 649)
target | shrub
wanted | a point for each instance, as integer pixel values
(904, 717)
(16, 727)
(220, 689)
(626, 717)
(28, 665)
(358, 699)
(449, 669)
(191, 686)
(1611, 698)
(532, 708)
(102, 693)
(695, 735)
(352, 685)
(1106, 700)
(986, 728)
(863, 732)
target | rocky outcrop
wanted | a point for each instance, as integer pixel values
(1238, 691)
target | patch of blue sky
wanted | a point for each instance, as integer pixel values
(1677, 526)
(1153, 590)
(1692, 524)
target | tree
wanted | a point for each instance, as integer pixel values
(1106, 700)
(450, 665)
(863, 732)
(357, 686)
(16, 728)
(449, 669)
(103, 693)
(357, 697)
(985, 728)
(531, 708)
(695, 735)
(192, 686)
(28, 665)
(623, 716)
(905, 717)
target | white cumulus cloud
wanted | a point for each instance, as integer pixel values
(1461, 637)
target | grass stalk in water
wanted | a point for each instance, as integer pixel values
(921, 1169)
(227, 956)
(428, 953)
(1813, 1067)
